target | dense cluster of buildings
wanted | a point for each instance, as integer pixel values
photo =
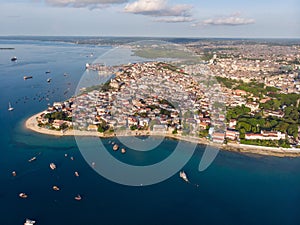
(150, 96)
(163, 98)
(272, 64)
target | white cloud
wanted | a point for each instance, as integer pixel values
(83, 3)
(158, 8)
(232, 20)
(174, 19)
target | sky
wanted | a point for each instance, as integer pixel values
(154, 18)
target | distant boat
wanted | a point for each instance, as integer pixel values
(27, 77)
(76, 174)
(48, 72)
(29, 222)
(52, 166)
(32, 159)
(78, 197)
(49, 80)
(14, 173)
(183, 176)
(115, 147)
(23, 195)
(55, 188)
(10, 108)
(13, 59)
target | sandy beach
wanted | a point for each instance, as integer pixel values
(31, 124)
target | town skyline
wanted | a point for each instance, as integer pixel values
(157, 18)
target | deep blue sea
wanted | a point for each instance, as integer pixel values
(237, 189)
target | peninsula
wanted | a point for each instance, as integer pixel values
(184, 102)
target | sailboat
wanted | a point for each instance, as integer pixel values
(10, 108)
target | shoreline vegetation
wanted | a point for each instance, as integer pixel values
(32, 124)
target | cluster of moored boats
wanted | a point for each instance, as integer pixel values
(116, 147)
(52, 166)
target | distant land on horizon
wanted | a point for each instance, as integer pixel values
(117, 40)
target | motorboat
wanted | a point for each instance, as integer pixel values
(29, 222)
(23, 195)
(183, 175)
(78, 197)
(52, 166)
(32, 159)
(115, 147)
(55, 188)
(27, 77)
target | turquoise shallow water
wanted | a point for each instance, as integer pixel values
(236, 189)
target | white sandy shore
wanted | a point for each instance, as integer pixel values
(31, 124)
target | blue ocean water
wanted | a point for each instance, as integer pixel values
(236, 189)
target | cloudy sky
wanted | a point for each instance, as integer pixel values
(163, 18)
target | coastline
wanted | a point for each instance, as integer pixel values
(31, 124)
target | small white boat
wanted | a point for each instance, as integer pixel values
(115, 147)
(23, 195)
(183, 175)
(29, 222)
(10, 108)
(52, 166)
(55, 188)
(32, 159)
(76, 174)
(78, 197)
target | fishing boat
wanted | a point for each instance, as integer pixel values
(14, 173)
(49, 80)
(183, 175)
(55, 188)
(48, 71)
(10, 108)
(78, 197)
(115, 147)
(123, 150)
(29, 222)
(52, 166)
(76, 174)
(23, 195)
(32, 159)
(27, 77)
(13, 59)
